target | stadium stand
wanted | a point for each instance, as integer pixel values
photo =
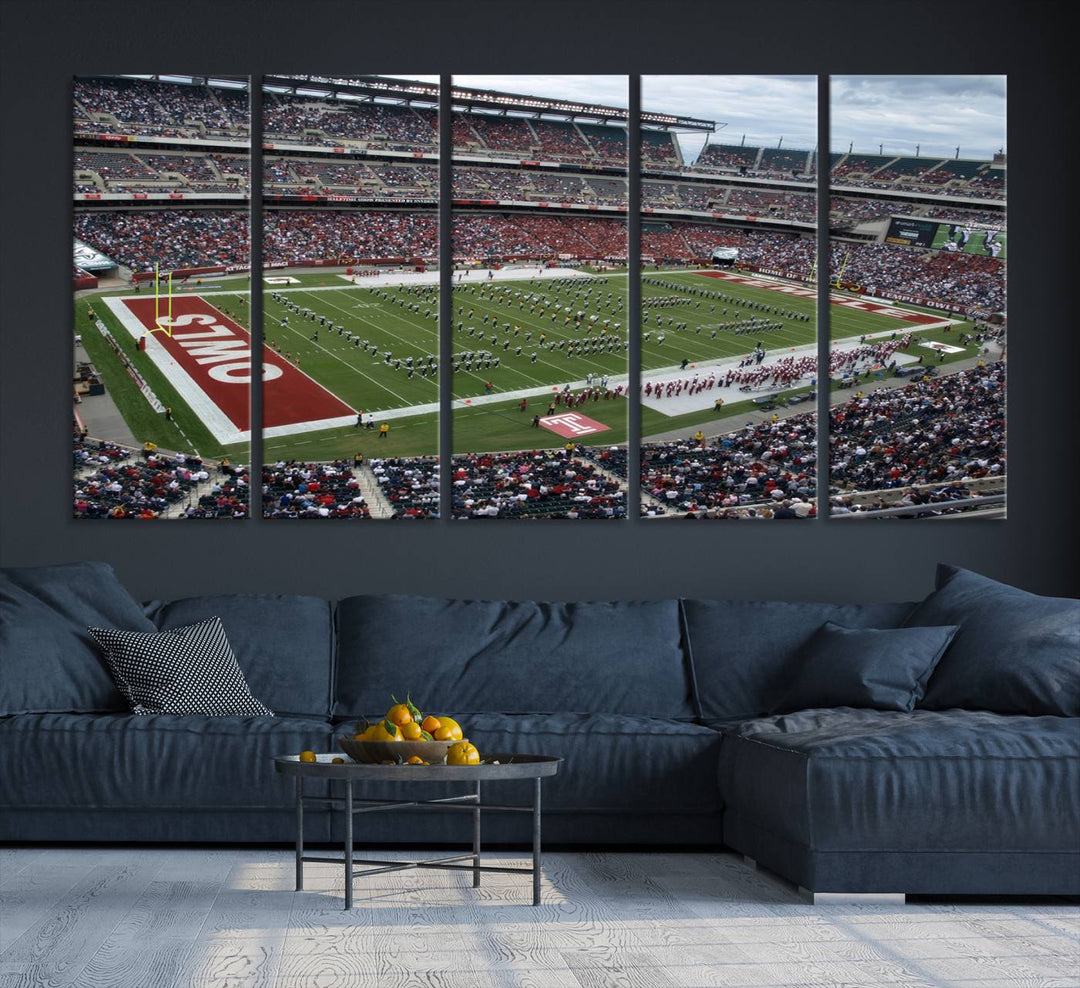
(300, 119)
(176, 238)
(770, 464)
(312, 490)
(149, 108)
(941, 430)
(726, 157)
(532, 484)
(114, 484)
(410, 485)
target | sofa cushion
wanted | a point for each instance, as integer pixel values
(283, 643)
(48, 662)
(161, 762)
(864, 780)
(189, 670)
(864, 667)
(473, 656)
(1015, 652)
(742, 651)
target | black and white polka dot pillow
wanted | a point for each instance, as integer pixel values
(190, 670)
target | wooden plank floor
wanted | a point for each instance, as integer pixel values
(197, 918)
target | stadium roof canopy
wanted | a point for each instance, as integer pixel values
(372, 87)
(361, 88)
(224, 81)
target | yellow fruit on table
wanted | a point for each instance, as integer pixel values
(337, 761)
(462, 753)
(416, 760)
(308, 756)
(431, 724)
(449, 730)
(385, 731)
(399, 714)
(411, 731)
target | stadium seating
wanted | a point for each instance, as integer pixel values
(176, 238)
(764, 464)
(536, 483)
(409, 484)
(144, 107)
(941, 430)
(312, 491)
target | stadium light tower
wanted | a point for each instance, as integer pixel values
(917, 146)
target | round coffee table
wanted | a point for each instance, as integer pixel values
(535, 767)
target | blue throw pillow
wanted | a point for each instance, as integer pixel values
(884, 669)
(1015, 652)
(48, 662)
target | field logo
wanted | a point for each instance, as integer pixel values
(570, 425)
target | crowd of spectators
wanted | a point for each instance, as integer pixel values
(111, 482)
(144, 172)
(941, 430)
(722, 157)
(410, 484)
(172, 238)
(290, 236)
(144, 107)
(509, 134)
(534, 484)
(288, 117)
(939, 277)
(658, 150)
(312, 490)
(770, 465)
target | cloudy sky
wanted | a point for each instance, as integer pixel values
(938, 113)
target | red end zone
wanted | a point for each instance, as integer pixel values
(844, 301)
(214, 352)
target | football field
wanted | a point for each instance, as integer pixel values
(335, 348)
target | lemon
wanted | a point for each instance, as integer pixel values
(308, 756)
(337, 761)
(411, 731)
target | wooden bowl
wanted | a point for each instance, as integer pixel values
(376, 752)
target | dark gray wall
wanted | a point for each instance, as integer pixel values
(45, 43)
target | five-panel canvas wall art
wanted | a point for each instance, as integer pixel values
(531, 325)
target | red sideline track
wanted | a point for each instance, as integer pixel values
(215, 352)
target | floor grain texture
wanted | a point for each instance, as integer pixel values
(206, 918)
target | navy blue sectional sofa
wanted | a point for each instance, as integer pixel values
(666, 713)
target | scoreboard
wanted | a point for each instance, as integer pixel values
(907, 232)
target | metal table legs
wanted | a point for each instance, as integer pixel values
(469, 803)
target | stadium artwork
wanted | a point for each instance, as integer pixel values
(917, 428)
(536, 359)
(162, 354)
(729, 352)
(350, 219)
(540, 325)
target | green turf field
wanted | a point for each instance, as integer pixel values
(400, 321)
